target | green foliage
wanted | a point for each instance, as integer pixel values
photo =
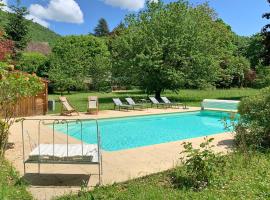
(200, 166)
(233, 71)
(239, 181)
(102, 28)
(254, 124)
(77, 59)
(263, 77)
(17, 27)
(34, 63)
(36, 33)
(13, 86)
(11, 185)
(255, 49)
(266, 39)
(169, 46)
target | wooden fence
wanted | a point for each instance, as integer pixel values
(36, 105)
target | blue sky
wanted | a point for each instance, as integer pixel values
(81, 16)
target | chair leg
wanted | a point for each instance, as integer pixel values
(38, 168)
(24, 168)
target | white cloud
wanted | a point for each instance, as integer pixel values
(38, 20)
(132, 5)
(57, 10)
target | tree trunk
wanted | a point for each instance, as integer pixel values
(157, 94)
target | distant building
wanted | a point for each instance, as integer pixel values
(40, 47)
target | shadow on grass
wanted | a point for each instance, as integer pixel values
(56, 179)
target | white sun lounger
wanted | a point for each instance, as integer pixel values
(132, 103)
(118, 103)
(63, 152)
(154, 101)
(172, 104)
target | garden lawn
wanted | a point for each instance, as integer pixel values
(191, 97)
(241, 179)
(12, 187)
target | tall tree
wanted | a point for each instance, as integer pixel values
(76, 59)
(102, 29)
(17, 27)
(266, 41)
(171, 46)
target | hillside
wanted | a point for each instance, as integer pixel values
(37, 32)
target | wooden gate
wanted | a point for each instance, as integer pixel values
(36, 105)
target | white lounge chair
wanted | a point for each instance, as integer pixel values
(132, 103)
(118, 103)
(173, 104)
(154, 101)
(92, 104)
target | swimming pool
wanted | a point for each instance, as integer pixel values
(131, 132)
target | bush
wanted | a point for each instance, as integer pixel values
(34, 63)
(199, 166)
(263, 77)
(253, 128)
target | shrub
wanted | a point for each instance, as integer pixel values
(34, 63)
(253, 128)
(263, 77)
(199, 166)
(13, 86)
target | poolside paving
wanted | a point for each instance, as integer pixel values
(118, 166)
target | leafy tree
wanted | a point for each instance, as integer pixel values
(233, 72)
(34, 63)
(255, 50)
(17, 27)
(262, 77)
(118, 29)
(169, 46)
(102, 28)
(76, 59)
(266, 41)
(13, 87)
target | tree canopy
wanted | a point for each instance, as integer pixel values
(175, 45)
(79, 59)
(17, 27)
(266, 41)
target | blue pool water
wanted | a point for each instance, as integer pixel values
(132, 132)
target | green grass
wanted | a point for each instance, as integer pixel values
(11, 185)
(191, 97)
(241, 180)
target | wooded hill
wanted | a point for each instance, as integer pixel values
(37, 32)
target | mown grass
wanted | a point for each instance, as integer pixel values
(241, 179)
(191, 97)
(12, 187)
